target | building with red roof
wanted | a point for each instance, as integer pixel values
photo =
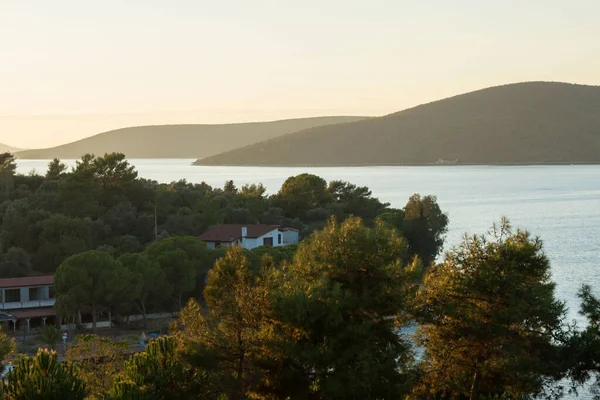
(29, 299)
(249, 236)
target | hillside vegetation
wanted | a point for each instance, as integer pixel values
(179, 141)
(524, 123)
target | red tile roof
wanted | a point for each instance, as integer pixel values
(231, 232)
(28, 281)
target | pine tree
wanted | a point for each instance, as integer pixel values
(490, 323)
(228, 340)
(158, 374)
(337, 307)
(43, 378)
(583, 352)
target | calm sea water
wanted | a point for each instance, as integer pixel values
(560, 204)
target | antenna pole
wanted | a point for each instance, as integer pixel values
(155, 224)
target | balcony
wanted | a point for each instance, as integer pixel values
(17, 305)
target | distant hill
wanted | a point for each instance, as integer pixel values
(180, 141)
(6, 148)
(523, 123)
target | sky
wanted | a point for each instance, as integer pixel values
(71, 68)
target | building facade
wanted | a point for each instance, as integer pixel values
(27, 302)
(249, 236)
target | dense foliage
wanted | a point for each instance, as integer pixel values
(331, 318)
(98, 217)
(334, 322)
(102, 204)
(43, 377)
(489, 320)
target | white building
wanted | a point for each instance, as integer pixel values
(249, 236)
(27, 302)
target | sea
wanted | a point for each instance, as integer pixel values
(559, 204)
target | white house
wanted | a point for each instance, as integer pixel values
(27, 300)
(249, 236)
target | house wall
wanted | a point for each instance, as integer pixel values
(42, 295)
(252, 243)
(290, 237)
(287, 237)
(24, 294)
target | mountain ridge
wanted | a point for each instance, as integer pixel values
(10, 149)
(180, 141)
(519, 123)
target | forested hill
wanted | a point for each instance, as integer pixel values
(180, 141)
(523, 123)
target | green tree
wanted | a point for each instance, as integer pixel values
(96, 280)
(424, 226)
(56, 169)
(8, 168)
(279, 254)
(125, 244)
(228, 340)
(19, 224)
(154, 286)
(230, 188)
(253, 190)
(8, 164)
(158, 374)
(121, 218)
(113, 170)
(99, 362)
(80, 193)
(7, 348)
(50, 335)
(15, 263)
(350, 199)
(303, 192)
(61, 236)
(183, 258)
(583, 352)
(489, 321)
(338, 303)
(115, 176)
(43, 377)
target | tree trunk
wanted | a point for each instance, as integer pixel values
(475, 385)
(94, 317)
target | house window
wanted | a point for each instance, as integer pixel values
(279, 239)
(268, 241)
(36, 294)
(51, 292)
(12, 295)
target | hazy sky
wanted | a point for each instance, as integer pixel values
(72, 68)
